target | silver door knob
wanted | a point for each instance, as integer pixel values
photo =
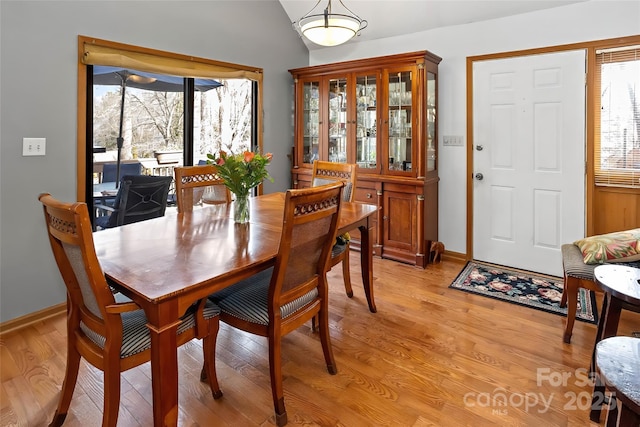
(479, 176)
(479, 147)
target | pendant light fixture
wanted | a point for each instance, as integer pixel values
(328, 28)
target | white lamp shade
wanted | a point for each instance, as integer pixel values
(340, 29)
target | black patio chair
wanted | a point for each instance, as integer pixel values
(140, 197)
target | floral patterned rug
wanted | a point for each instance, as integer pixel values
(522, 287)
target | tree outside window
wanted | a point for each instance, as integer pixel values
(154, 121)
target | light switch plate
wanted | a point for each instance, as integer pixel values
(455, 140)
(34, 146)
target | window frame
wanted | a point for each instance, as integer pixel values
(119, 54)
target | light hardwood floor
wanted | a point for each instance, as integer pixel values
(430, 356)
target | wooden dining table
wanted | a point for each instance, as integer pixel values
(166, 264)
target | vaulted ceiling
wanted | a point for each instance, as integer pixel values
(388, 18)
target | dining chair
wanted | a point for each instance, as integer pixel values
(105, 328)
(327, 172)
(197, 185)
(276, 301)
(139, 197)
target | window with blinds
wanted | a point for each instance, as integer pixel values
(617, 117)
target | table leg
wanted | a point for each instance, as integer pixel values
(601, 321)
(608, 324)
(612, 412)
(366, 264)
(164, 374)
(607, 327)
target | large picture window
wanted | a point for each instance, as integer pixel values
(160, 110)
(617, 117)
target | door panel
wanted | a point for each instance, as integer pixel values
(399, 217)
(529, 124)
(547, 205)
(502, 226)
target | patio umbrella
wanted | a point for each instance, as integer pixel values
(114, 76)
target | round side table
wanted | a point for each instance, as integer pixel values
(621, 286)
(618, 370)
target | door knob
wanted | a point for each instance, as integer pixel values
(479, 176)
(479, 147)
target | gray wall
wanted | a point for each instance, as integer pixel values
(38, 77)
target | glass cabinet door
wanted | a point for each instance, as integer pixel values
(431, 121)
(310, 121)
(366, 113)
(338, 120)
(399, 121)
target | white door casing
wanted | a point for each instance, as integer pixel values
(529, 146)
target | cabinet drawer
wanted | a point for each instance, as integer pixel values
(365, 195)
(368, 195)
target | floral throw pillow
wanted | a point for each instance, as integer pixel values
(622, 246)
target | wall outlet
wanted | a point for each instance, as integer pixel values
(34, 146)
(455, 140)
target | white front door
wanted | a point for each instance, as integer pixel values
(529, 159)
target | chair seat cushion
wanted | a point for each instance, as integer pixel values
(135, 334)
(574, 266)
(248, 300)
(337, 249)
(573, 263)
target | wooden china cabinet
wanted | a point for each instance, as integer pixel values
(379, 113)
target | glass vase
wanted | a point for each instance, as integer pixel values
(241, 209)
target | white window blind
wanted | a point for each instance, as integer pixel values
(617, 117)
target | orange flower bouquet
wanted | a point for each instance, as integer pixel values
(241, 173)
